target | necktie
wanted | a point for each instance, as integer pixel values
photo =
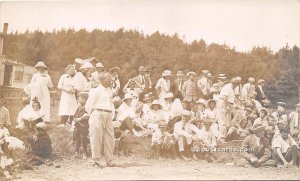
(114, 83)
(143, 80)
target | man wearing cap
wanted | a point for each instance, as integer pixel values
(101, 109)
(177, 85)
(116, 84)
(95, 75)
(185, 133)
(39, 87)
(285, 148)
(294, 119)
(224, 107)
(260, 91)
(248, 87)
(256, 149)
(280, 115)
(204, 85)
(163, 85)
(189, 88)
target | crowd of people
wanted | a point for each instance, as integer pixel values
(187, 115)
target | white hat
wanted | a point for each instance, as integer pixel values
(201, 101)
(251, 79)
(41, 65)
(87, 65)
(167, 73)
(222, 76)
(238, 78)
(168, 95)
(155, 102)
(79, 61)
(191, 74)
(127, 96)
(186, 113)
(41, 125)
(99, 65)
(205, 71)
(260, 81)
(209, 75)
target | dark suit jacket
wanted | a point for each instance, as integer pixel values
(259, 95)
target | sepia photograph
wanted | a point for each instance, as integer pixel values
(149, 90)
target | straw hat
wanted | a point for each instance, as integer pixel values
(99, 65)
(142, 69)
(191, 73)
(155, 102)
(201, 101)
(251, 79)
(205, 71)
(186, 113)
(41, 125)
(41, 64)
(87, 65)
(209, 75)
(257, 128)
(222, 76)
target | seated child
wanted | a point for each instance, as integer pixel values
(40, 143)
(81, 129)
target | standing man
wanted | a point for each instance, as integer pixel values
(189, 88)
(224, 106)
(116, 85)
(177, 85)
(260, 97)
(204, 85)
(248, 87)
(95, 75)
(101, 109)
(163, 85)
(143, 79)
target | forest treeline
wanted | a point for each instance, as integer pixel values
(129, 49)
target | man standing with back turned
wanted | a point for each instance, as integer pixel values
(101, 109)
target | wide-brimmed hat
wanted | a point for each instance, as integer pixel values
(257, 128)
(207, 121)
(127, 96)
(142, 69)
(261, 81)
(205, 72)
(99, 65)
(201, 101)
(282, 104)
(41, 64)
(191, 73)
(180, 73)
(155, 102)
(41, 125)
(251, 79)
(113, 69)
(222, 76)
(87, 65)
(79, 61)
(263, 109)
(186, 113)
(168, 95)
(167, 73)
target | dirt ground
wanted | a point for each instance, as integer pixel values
(136, 168)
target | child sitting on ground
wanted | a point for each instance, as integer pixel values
(40, 143)
(81, 130)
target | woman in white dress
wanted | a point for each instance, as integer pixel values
(68, 103)
(39, 87)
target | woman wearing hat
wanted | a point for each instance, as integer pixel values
(39, 87)
(68, 103)
(82, 77)
(156, 115)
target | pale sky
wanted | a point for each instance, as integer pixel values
(240, 23)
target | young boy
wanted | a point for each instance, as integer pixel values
(81, 130)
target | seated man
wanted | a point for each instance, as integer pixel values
(257, 149)
(280, 115)
(208, 141)
(239, 129)
(285, 148)
(185, 133)
(156, 115)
